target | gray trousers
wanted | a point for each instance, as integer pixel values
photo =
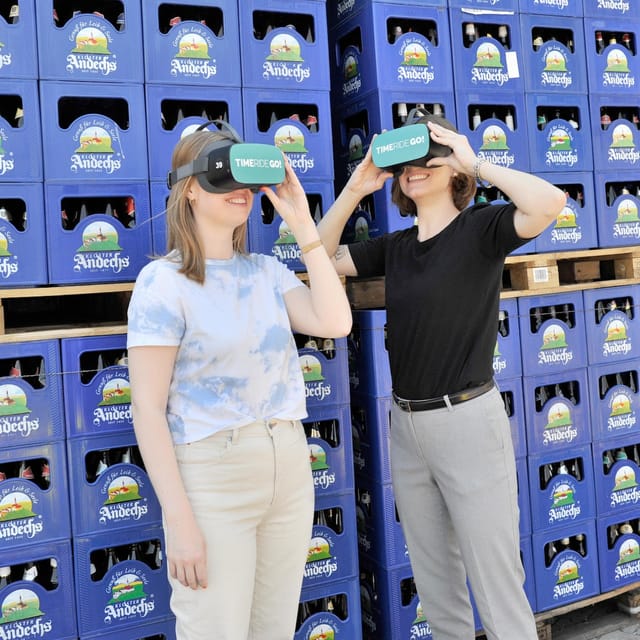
(455, 485)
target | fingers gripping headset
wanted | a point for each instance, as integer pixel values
(409, 144)
(228, 163)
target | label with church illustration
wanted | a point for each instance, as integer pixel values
(559, 428)
(621, 413)
(616, 74)
(22, 614)
(193, 44)
(20, 518)
(627, 566)
(97, 149)
(283, 56)
(563, 502)
(622, 149)
(496, 143)
(90, 47)
(289, 136)
(128, 595)
(554, 348)
(614, 331)
(555, 72)
(16, 417)
(624, 492)
(122, 500)
(323, 561)
(489, 66)
(560, 143)
(113, 399)
(100, 250)
(566, 229)
(568, 582)
(626, 223)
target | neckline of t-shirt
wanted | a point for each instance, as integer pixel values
(221, 261)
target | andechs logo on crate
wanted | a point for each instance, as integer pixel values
(284, 59)
(628, 564)
(355, 151)
(100, 250)
(192, 44)
(126, 596)
(352, 80)
(22, 616)
(488, 67)
(324, 626)
(114, 399)
(625, 490)
(495, 145)
(560, 139)
(7, 162)
(621, 414)
(554, 4)
(566, 229)
(554, 348)
(90, 40)
(285, 247)
(9, 263)
(568, 580)
(617, 72)
(14, 409)
(344, 7)
(290, 139)
(415, 67)
(99, 149)
(615, 334)
(419, 627)
(561, 494)
(555, 73)
(559, 428)
(315, 385)
(615, 5)
(627, 222)
(622, 147)
(121, 489)
(323, 477)
(321, 562)
(18, 519)
(499, 362)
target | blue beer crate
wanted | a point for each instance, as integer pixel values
(559, 132)
(298, 122)
(342, 10)
(576, 226)
(268, 233)
(97, 393)
(616, 465)
(174, 111)
(613, 67)
(474, 7)
(110, 244)
(513, 398)
(34, 496)
(380, 535)
(20, 132)
(615, 120)
(189, 43)
(552, 333)
(556, 8)
(618, 552)
(524, 500)
(486, 51)
(333, 546)
(163, 630)
(556, 411)
(23, 253)
(18, 55)
(572, 573)
(284, 45)
(608, 9)
(370, 422)
(617, 205)
(507, 361)
(330, 610)
(95, 131)
(89, 46)
(612, 323)
(553, 52)
(372, 113)
(325, 372)
(133, 590)
(30, 393)
(39, 608)
(159, 194)
(328, 430)
(369, 371)
(500, 136)
(391, 606)
(614, 398)
(110, 488)
(391, 47)
(561, 495)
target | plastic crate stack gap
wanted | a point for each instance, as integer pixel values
(91, 88)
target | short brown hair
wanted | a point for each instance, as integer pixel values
(463, 187)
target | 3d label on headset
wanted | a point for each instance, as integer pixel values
(399, 146)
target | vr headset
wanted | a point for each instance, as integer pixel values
(409, 144)
(229, 164)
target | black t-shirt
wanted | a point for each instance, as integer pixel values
(442, 298)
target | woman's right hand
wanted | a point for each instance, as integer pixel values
(367, 177)
(187, 554)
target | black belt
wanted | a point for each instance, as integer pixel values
(443, 401)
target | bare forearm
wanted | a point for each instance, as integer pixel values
(333, 222)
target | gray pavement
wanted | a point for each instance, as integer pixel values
(602, 621)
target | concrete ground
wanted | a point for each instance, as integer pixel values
(602, 621)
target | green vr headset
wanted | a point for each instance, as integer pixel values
(229, 164)
(409, 144)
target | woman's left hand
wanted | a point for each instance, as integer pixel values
(463, 157)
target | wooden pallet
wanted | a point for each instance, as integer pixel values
(535, 274)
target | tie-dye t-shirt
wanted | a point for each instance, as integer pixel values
(237, 360)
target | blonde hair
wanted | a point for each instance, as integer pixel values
(182, 232)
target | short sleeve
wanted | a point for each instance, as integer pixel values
(286, 278)
(155, 314)
(369, 256)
